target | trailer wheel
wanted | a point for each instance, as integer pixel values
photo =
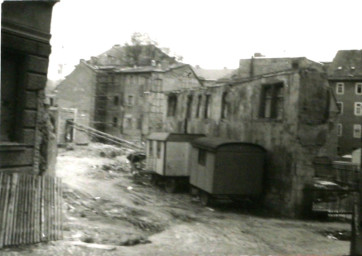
(170, 185)
(205, 198)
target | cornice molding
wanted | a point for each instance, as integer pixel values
(24, 31)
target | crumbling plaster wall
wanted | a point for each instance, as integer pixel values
(289, 166)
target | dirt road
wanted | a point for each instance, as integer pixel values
(105, 205)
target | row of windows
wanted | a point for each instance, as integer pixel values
(129, 123)
(271, 103)
(357, 108)
(340, 88)
(357, 130)
(130, 100)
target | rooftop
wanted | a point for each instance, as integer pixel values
(346, 63)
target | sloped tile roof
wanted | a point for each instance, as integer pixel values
(346, 63)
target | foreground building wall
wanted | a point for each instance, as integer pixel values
(27, 129)
(295, 124)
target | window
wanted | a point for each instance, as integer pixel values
(189, 106)
(150, 147)
(12, 97)
(116, 100)
(224, 110)
(339, 130)
(115, 121)
(129, 123)
(358, 88)
(139, 123)
(130, 100)
(171, 105)
(340, 107)
(202, 157)
(207, 106)
(158, 149)
(358, 108)
(357, 131)
(198, 106)
(340, 88)
(271, 104)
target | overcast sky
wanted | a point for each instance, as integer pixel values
(211, 33)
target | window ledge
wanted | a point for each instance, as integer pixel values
(12, 146)
(271, 120)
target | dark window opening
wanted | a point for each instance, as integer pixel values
(171, 105)
(198, 106)
(150, 147)
(115, 121)
(207, 106)
(202, 157)
(271, 104)
(116, 100)
(12, 97)
(224, 109)
(189, 106)
(158, 149)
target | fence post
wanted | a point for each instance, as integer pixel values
(356, 241)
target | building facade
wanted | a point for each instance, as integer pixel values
(127, 102)
(289, 111)
(345, 77)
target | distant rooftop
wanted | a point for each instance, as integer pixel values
(346, 63)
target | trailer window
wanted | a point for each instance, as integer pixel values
(202, 157)
(158, 149)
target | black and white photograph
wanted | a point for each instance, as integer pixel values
(181, 128)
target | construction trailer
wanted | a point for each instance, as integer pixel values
(168, 156)
(226, 168)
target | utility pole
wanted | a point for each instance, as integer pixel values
(356, 239)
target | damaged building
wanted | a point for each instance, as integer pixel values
(282, 104)
(122, 100)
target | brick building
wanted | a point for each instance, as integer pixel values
(27, 130)
(282, 104)
(123, 101)
(345, 77)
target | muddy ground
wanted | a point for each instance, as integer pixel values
(108, 211)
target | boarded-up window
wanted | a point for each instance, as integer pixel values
(171, 105)
(272, 101)
(202, 157)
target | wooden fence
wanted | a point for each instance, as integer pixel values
(30, 209)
